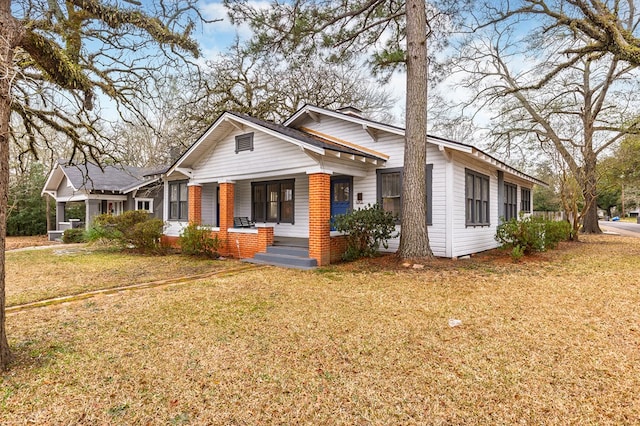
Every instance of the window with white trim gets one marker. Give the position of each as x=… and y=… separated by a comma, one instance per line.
x=178, y=201
x=144, y=204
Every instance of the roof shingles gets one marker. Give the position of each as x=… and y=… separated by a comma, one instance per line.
x=91, y=177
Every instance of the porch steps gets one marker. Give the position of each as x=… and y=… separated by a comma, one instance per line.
x=286, y=257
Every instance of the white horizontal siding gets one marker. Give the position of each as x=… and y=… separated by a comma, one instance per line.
x=174, y=228
x=389, y=144
x=270, y=156
x=437, y=231
x=467, y=240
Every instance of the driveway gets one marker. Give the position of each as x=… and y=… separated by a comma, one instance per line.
x=623, y=228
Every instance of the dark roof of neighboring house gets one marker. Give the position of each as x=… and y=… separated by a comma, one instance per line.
x=306, y=137
x=116, y=178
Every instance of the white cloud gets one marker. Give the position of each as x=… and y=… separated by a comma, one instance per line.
x=217, y=36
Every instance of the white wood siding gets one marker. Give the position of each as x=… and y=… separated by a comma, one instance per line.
x=270, y=157
x=467, y=240
x=393, y=146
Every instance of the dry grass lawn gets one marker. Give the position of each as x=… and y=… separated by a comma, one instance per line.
x=60, y=271
x=554, y=340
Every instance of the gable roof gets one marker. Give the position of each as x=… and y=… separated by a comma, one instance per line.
x=314, y=143
x=90, y=177
x=315, y=140
x=367, y=124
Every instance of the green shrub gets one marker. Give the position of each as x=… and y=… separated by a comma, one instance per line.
x=196, y=240
x=27, y=214
x=132, y=229
x=366, y=229
x=531, y=234
x=70, y=236
x=517, y=253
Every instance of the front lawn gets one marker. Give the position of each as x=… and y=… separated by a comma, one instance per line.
x=61, y=271
x=552, y=340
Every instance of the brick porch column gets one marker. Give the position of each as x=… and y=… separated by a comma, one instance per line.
x=319, y=215
x=226, y=214
x=195, y=203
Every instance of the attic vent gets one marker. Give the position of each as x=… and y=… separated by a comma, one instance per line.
x=244, y=142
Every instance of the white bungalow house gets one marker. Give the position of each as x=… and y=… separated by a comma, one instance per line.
x=289, y=179
x=110, y=189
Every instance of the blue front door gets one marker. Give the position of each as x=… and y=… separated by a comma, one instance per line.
x=341, y=196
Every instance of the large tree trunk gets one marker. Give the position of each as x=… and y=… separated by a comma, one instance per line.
x=414, y=239
x=590, y=223
x=10, y=34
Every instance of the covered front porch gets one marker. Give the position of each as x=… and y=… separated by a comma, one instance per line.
x=289, y=218
x=78, y=212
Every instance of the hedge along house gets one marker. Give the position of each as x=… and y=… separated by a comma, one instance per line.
x=110, y=189
x=290, y=179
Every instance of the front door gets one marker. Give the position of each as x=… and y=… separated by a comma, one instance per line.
x=341, y=195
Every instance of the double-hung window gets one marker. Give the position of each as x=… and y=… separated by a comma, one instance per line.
x=510, y=201
x=178, y=201
x=525, y=200
x=273, y=201
x=144, y=204
x=390, y=191
x=477, y=198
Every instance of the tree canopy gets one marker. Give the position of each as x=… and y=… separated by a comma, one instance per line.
x=548, y=89
x=71, y=57
x=609, y=26
x=59, y=58
x=395, y=33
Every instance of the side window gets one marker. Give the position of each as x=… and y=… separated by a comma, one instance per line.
x=144, y=204
x=178, y=201
x=525, y=200
x=477, y=199
x=510, y=201
x=390, y=192
x=389, y=187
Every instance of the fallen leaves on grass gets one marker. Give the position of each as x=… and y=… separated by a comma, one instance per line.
x=43, y=274
x=549, y=342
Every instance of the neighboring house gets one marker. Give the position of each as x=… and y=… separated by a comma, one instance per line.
x=290, y=179
x=110, y=189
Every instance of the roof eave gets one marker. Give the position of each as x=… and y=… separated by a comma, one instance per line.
x=227, y=116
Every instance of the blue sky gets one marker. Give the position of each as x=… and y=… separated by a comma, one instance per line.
x=216, y=37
